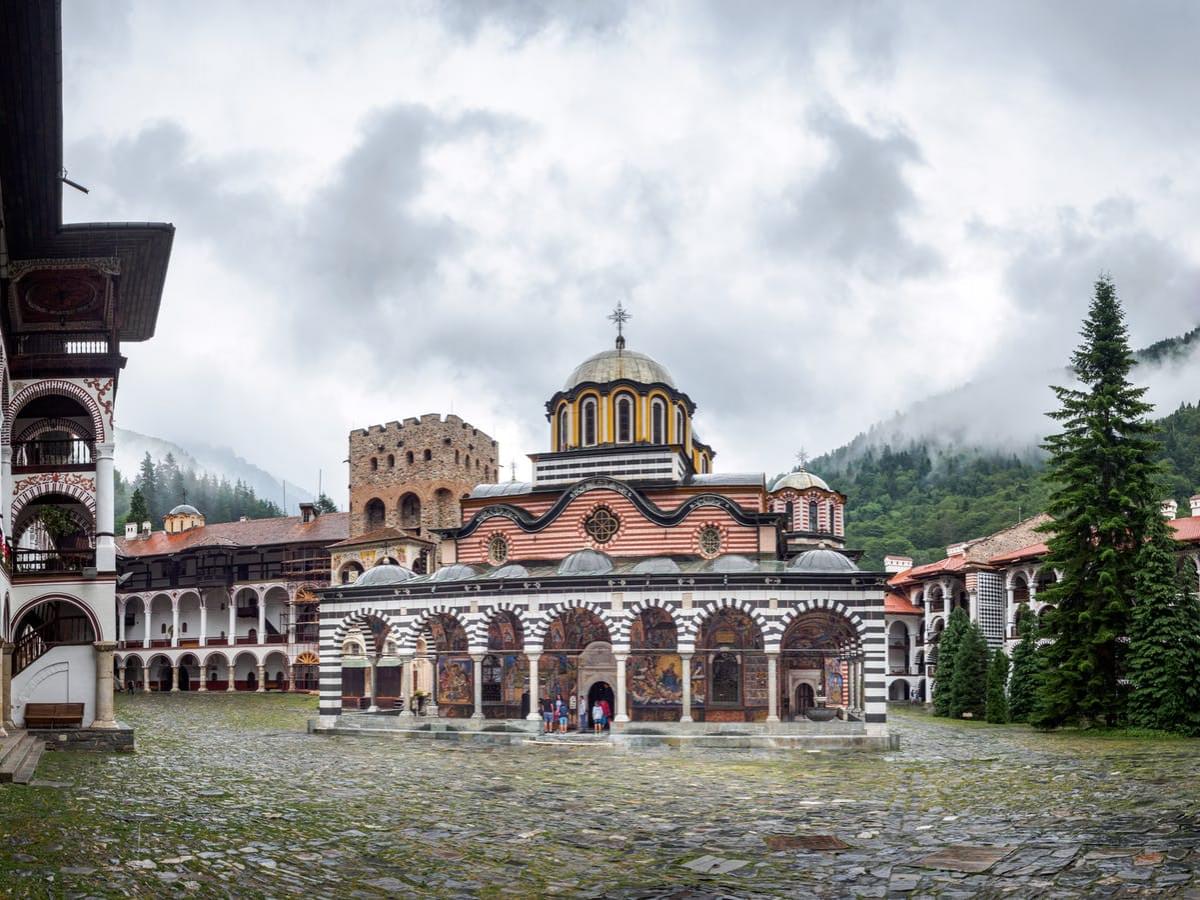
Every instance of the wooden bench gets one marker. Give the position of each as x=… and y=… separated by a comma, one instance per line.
x=53, y=715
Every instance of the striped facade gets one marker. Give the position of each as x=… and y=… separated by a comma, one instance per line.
x=773, y=602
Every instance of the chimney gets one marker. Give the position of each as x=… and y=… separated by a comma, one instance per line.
x=1169, y=508
x=308, y=512
x=1194, y=500
x=146, y=529
x=131, y=531
x=957, y=549
x=241, y=518
x=893, y=564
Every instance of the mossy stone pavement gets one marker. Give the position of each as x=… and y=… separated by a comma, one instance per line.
x=228, y=796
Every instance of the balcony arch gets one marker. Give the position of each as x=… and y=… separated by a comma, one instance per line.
x=53, y=387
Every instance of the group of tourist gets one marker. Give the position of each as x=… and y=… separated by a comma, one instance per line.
x=560, y=715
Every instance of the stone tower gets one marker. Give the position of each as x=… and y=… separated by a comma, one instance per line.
x=414, y=474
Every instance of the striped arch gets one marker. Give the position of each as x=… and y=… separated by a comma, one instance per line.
x=360, y=618
x=477, y=632
x=47, y=388
x=780, y=626
x=54, y=486
x=690, y=632
x=419, y=627
x=632, y=613
x=41, y=426
x=538, y=628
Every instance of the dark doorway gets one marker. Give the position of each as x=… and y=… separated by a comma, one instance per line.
x=252, y=682
x=805, y=699
x=185, y=683
x=601, y=690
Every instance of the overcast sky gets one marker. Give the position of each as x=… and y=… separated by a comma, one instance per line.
x=816, y=213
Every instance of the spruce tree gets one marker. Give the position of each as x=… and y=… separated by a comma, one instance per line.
x=147, y=482
x=139, y=512
x=1026, y=672
x=997, y=688
x=947, y=652
x=1164, y=640
x=1104, y=482
x=968, y=681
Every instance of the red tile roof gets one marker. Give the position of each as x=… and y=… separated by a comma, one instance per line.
x=1187, y=529
x=1030, y=552
x=948, y=564
x=325, y=529
x=380, y=536
x=895, y=605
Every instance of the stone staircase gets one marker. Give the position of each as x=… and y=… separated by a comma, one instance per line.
x=19, y=756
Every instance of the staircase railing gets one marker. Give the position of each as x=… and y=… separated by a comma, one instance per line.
x=34, y=644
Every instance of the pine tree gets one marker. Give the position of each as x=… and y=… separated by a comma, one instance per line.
x=997, y=688
x=139, y=512
x=1164, y=641
x=1104, y=482
x=947, y=652
x=1026, y=672
x=968, y=681
x=147, y=483
x=326, y=505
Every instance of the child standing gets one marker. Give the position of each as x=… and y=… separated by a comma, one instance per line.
x=597, y=718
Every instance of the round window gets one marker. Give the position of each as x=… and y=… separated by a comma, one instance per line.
x=710, y=540
x=602, y=524
x=498, y=549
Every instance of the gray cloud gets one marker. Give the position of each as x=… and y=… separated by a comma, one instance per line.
x=526, y=18
x=854, y=209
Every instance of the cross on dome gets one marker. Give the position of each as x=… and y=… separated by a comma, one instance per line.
x=620, y=316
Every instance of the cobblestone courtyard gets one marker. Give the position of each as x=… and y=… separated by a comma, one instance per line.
x=228, y=796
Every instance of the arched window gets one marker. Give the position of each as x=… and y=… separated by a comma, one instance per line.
x=790, y=509
x=832, y=510
x=624, y=419
x=428, y=455
x=704, y=465
x=374, y=464
x=391, y=461
x=813, y=516
x=456, y=457
x=679, y=425
x=658, y=422
x=564, y=427
x=589, y=422
x=409, y=457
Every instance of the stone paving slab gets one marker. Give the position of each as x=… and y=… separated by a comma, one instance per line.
x=229, y=797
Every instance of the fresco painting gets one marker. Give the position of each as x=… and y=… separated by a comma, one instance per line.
x=574, y=630
x=454, y=680
x=556, y=675
x=653, y=629
x=656, y=679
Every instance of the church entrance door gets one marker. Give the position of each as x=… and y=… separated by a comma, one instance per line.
x=601, y=690
x=805, y=699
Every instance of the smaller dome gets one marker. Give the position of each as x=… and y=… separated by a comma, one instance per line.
x=585, y=562
x=384, y=574
x=512, y=570
x=184, y=509
x=453, y=572
x=732, y=562
x=616, y=365
x=656, y=565
x=800, y=481
x=821, y=560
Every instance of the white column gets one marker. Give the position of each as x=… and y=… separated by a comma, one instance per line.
x=175, y=678
x=912, y=649
x=1010, y=609
x=772, y=687
x=203, y=688
x=174, y=620
x=477, y=684
x=533, y=715
x=121, y=621
x=620, y=714
x=291, y=628
x=230, y=686
x=973, y=605
x=406, y=686
x=262, y=618
x=147, y=605
x=232, y=617
x=369, y=683
x=203, y=621
x=6, y=488
x=106, y=548
x=145, y=678
x=262, y=678
x=686, y=713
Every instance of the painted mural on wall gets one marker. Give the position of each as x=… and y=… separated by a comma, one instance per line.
x=454, y=680
x=574, y=630
x=755, y=680
x=731, y=629
x=699, y=681
x=557, y=674
x=514, y=678
x=448, y=634
x=504, y=633
x=655, y=679
x=653, y=630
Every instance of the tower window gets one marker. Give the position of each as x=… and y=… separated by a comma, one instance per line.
x=564, y=428
x=813, y=516
x=428, y=455
x=409, y=457
x=832, y=509
x=679, y=424
x=658, y=422
x=391, y=461
x=374, y=464
x=589, y=422
x=624, y=419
